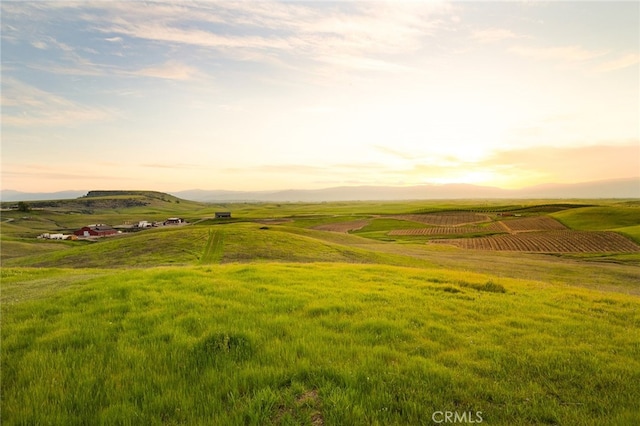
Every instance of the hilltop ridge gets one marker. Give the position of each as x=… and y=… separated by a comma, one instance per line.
x=119, y=193
x=107, y=200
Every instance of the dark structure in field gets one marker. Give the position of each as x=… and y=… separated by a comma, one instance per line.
x=223, y=215
x=98, y=230
x=174, y=221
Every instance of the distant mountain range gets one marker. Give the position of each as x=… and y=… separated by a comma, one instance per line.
x=617, y=188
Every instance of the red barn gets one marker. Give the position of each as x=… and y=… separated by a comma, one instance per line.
x=99, y=230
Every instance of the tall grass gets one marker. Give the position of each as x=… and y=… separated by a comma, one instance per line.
x=297, y=344
x=281, y=324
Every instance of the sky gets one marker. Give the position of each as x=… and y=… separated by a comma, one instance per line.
x=271, y=95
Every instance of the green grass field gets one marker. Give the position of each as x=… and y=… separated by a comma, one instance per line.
x=599, y=218
x=243, y=322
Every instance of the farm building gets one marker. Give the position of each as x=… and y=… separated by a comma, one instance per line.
x=98, y=230
x=223, y=215
x=48, y=236
x=174, y=221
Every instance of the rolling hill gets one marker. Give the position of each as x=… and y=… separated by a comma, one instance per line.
x=109, y=201
x=315, y=314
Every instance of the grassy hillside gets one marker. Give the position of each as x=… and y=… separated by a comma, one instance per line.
x=237, y=242
x=599, y=218
x=271, y=318
x=624, y=219
x=311, y=344
x=632, y=232
x=251, y=242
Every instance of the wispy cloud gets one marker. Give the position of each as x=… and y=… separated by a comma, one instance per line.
x=367, y=173
x=622, y=62
x=353, y=35
x=176, y=166
x=25, y=105
x=38, y=44
x=314, y=41
x=42, y=173
x=395, y=152
x=364, y=63
x=570, y=164
x=170, y=71
x=197, y=37
x=72, y=69
x=492, y=35
x=558, y=53
x=423, y=158
x=281, y=168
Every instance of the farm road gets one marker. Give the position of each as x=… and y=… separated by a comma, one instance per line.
x=213, y=248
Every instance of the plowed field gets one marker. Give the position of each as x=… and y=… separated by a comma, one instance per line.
x=550, y=242
x=343, y=226
x=445, y=219
x=536, y=223
x=450, y=230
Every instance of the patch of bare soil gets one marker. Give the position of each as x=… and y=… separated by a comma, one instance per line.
x=343, y=226
x=307, y=405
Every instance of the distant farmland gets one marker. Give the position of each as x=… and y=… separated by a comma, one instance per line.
x=445, y=218
x=551, y=242
x=451, y=230
x=536, y=223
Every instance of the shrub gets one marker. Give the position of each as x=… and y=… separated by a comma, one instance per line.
x=23, y=207
x=489, y=286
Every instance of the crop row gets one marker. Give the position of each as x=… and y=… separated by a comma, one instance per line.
x=445, y=219
x=536, y=223
x=449, y=230
x=550, y=242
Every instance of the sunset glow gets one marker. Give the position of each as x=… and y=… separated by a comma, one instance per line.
x=263, y=95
